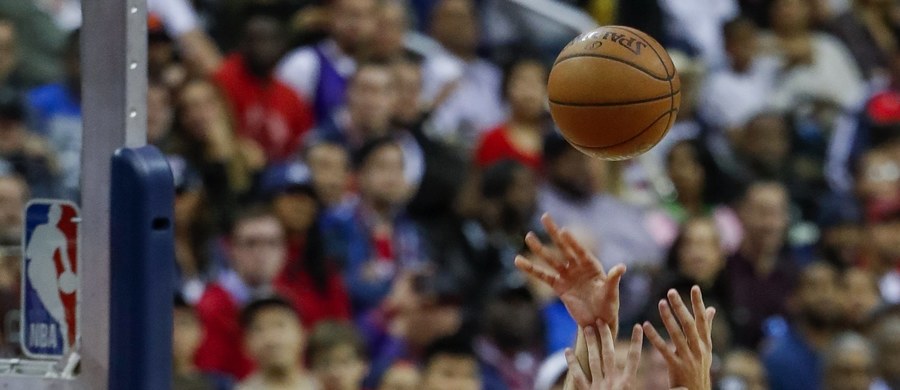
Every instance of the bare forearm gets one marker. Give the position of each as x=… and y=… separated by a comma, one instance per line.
x=200, y=52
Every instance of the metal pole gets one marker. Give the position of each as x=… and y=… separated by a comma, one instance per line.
x=114, y=85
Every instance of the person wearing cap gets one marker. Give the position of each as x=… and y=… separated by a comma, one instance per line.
x=27, y=153
x=311, y=271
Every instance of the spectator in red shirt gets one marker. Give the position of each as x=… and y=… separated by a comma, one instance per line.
x=309, y=273
x=521, y=137
x=256, y=248
x=267, y=111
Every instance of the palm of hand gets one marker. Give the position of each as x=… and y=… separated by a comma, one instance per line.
x=588, y=296
x=576, y=276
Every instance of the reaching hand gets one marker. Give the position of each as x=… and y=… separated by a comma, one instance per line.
x=690, y=356
x=576, y=276
x=603, y=369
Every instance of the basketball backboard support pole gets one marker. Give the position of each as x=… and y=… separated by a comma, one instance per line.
x=114, y=93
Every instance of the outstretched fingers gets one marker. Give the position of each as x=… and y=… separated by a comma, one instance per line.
x=581, y=380
x=552, y=258
x=672, y=327
x=608, y=349
x=634, y=351
x=595, y=362
x=581, y=255
x=688, y=324
x=658, y=342
x=541, y=273
x=704, y=326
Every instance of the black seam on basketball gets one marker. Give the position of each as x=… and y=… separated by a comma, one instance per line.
x=611, y=58
x=627, y=140
x=648, y=45
x=613, y=104
x=663, y=63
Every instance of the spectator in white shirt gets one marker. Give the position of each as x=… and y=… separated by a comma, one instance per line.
x=474, y=105
x=815, y=68
x=733, y=94
x=320, y=73
x=699, y=24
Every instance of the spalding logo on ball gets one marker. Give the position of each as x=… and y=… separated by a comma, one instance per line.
x=614, y=92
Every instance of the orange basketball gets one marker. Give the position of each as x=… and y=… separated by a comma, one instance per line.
x=614, y=92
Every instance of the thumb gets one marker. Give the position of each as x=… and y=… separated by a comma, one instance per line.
x=615, y=275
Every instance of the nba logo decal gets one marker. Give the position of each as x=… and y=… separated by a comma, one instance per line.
x=50, y=281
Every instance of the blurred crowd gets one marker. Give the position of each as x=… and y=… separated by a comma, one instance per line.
x=354, y=179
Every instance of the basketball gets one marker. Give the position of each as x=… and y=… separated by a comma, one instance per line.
x=614, y=92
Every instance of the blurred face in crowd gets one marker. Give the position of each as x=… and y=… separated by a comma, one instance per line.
x=159, y=113
x=765, y=142
x=401, y=376
x=764, y=215
x=371, y=98
x=13, y=195
x=392, y=25
x=12, y=135
x=790, y=16
x=814, y=300
x=353, y=24
x=340, y=368
x=455, y=26
x=330, y=168
x=861, y=294
x=849, y=365
x=160, y=54
x=513, y=323
x=8, y=53
x=296, y=209
x=431, y=321
x=842, y=242
x=526, y=90
x=521, y=196
x=685, y=171
x=878, y=175
x=72, y=63
x=258, y=249
x=882, y=236
x=886, y=338
x=186, y=335
x=200, y=107
x=700, y=255
x=452, y=372
x=275, y=339
x=741, y=44
x=570, y=173
x=263, y=44
x=408, y=77
x=745, y=367
x=188, y=204
x=381, y=176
